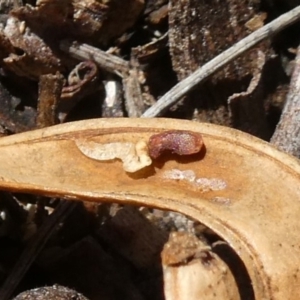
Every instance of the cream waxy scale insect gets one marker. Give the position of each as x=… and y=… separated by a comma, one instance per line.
x=134, y=156
x=138, y=156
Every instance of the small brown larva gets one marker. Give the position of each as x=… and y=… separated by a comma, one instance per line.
x=181, y=142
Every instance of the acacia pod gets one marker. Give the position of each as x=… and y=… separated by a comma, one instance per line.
x=242, y=188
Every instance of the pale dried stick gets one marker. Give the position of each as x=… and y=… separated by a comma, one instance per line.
x=287, y=133
x=106, y=61
x=133, y=95
x=183, y=87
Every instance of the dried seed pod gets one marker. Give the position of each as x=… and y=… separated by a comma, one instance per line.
x=181, y=142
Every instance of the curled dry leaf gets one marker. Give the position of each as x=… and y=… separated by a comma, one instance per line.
x=252, y=209
x=83, y=81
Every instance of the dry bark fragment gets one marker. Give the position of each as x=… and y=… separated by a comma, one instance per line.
x=196, y=37
x=34, y=57
x=121, y=16
x=87, y=20
x=50, y=87
x=214, y=65
x=146, y=53
x=159, y=15
x=34, y=31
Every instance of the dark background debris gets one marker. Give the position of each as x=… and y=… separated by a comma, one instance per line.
x=113, y=252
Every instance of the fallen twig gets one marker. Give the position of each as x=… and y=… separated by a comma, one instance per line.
x=106, y=61
x=183, y=87
x=287, y=133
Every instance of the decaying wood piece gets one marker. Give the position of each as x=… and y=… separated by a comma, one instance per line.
x=29, y=38
x=83, y=19
x=192, y=271
x=50, y=87
x=29, y=61
x=196, y=37
x=287, y=134
x=232, y=187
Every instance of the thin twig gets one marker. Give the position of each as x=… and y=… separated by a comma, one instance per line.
x=287, y=133
x=106, y=61
x=134, y=102
x=183, y=87
x=133, y=95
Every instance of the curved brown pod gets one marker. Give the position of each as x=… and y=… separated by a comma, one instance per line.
x=243, y=188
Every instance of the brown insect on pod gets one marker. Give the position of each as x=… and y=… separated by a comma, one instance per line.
x=181, y=142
